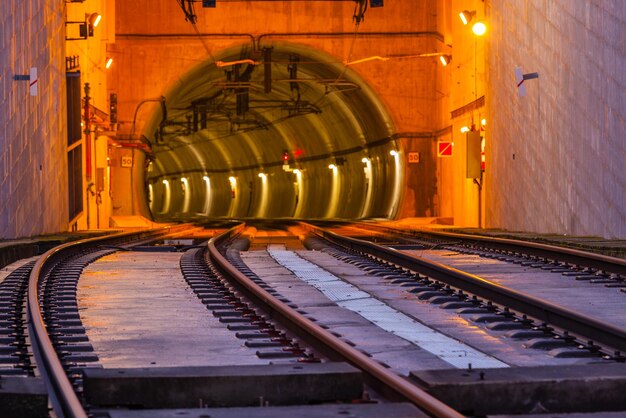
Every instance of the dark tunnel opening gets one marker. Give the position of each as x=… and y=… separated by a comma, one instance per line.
x=279, y=132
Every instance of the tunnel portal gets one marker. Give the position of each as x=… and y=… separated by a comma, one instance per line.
x=277, y=131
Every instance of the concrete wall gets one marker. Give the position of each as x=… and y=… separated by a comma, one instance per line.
x=152, y=57
x=458, y=195
x=93, y=55
x=33, y=161
x=557, y=157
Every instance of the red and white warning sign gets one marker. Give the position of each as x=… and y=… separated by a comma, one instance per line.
x=444, y=149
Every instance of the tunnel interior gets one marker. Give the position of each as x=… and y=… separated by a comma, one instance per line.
x=280, y=131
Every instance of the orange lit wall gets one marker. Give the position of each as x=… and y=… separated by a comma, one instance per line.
x=152, y=54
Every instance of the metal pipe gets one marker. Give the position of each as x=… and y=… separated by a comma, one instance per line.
x=87, y=117
x=256, y=39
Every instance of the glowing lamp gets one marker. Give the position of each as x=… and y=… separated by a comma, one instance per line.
x=94, y=19
x=479, y=28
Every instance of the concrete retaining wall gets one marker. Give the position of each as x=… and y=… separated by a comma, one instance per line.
x=33, y=173
x=556, y=158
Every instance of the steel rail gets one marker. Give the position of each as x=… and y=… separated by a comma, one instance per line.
x=323, y=339
x=564, y=254
x=566, y=319
x=62, y=395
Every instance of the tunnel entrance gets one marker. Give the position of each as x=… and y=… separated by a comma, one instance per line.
x=277, y=131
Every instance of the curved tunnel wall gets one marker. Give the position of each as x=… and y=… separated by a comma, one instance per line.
x=273, y=160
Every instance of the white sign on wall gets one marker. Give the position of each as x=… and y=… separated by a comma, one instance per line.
x=34, y=81
x=414, y=157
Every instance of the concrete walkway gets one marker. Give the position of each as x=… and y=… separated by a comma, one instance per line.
x=139, y=312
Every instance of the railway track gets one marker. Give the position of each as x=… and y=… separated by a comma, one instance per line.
x=510, y=306
x=68, y=363
x=347, y=342
x=520, y=321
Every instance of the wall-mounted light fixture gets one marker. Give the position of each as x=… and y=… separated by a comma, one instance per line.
x=108, y=63
x=445, y=59
x=186, y=193
x=367, y=173
x=332, y=166
x=465, y=129
x=397, y=183
x=207, y=195
x=467, y=16
x=479, y=28
x=92, y=21
x=166, y=196
x=233, y=186
x=262, y=202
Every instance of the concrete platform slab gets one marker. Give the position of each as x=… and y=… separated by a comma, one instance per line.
x=519, y=390
x=138, y=311
x=395, y=410
x=620, y=414
x=24, y=397
x=223, y=386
